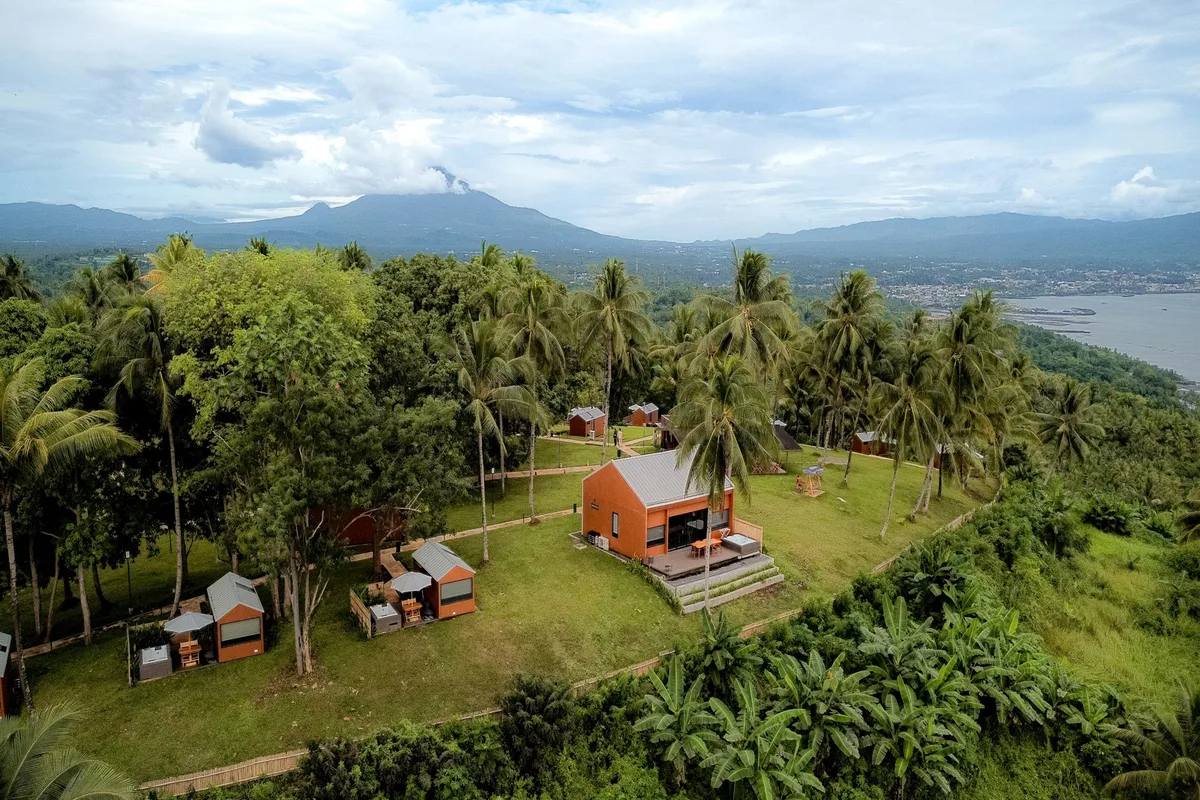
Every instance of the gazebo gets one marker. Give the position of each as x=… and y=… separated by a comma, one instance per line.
x=809, y=481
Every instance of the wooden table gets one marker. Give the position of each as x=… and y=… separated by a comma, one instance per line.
x=698, y=547
x=189, y=654
x=411, y=609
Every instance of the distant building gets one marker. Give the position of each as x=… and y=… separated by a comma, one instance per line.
x=786, y=441
x=871, y=443
x=587, y=422
x=643, y=415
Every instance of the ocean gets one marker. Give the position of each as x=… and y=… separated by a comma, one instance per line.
x=1163, y=329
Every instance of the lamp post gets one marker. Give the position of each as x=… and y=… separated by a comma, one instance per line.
x=128, y=584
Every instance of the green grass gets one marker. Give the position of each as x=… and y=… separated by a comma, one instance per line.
x=544, y=608
x=1104, y=619
x=551, y=493
x=565, y=453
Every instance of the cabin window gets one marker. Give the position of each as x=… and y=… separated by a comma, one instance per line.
x=455, y=591
x=616, y=525
x=718, y=519
x=656, y=535
x=240, y=632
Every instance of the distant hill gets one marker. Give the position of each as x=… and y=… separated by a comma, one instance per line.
x=388, y=225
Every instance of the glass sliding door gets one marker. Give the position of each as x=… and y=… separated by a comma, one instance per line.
x=684, y=529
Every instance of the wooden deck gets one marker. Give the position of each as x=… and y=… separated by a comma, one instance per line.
x=682, y=562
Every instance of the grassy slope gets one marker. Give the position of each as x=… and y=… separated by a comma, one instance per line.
x=545, y=608
x=1093, y=621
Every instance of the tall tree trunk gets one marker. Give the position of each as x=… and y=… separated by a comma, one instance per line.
x=83, y=607
x=850, y=451
x=503, y=478
x=291, y=581
x=179, y=555
x=50, y=607
x=10, y=543
x=233, y=561
x=306, y=629
x=887, y=517
x=36, y=586
x=707, y=566
x=276, y=613
x=941, y=470
x=483, y=495
x=607, y=403
x=100, y=596
x=67, y=591
x=532, y=465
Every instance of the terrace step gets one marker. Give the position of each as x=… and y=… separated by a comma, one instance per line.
x=722, y=586
x=729, y=572
x=735, y=594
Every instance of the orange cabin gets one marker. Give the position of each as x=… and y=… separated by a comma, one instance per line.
x=643, y=415
x=588, y=422
x=237, y=618
x=870, y=443
x=645, y=506
x=453, y=589
x=8, y=698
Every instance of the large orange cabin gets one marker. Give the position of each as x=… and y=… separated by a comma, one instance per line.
x=644, y=506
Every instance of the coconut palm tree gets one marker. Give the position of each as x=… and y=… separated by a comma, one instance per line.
x=490, y=255
x=844, y=335
x=259, y=245
x=1070, y=425
x=124, y=273
x=1189, y=518
x=177, y=250
x=35, y=761
x=534, y=318
x=15, y=283
x=907, y=409
x=1171, y=745
x=353, y=258
x=612, y=313
x=489, y=379
x=135, y=345
x=90, y=286
x=754, y=323
x=724, y=427
x=37, y=429
x=679, y=719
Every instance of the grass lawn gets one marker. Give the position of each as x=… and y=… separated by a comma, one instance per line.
x=1095, y=621
x=566, y=452
x=551, y=493
x=544, y=608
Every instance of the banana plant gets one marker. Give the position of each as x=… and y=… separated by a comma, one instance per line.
x=834, y=703
x=679, y=720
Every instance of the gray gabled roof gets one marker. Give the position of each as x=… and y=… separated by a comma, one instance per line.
x=871, y=436
x=437, y=560
x=588, y=413
x=5, y=652
x=786, y=440
x=231, y=591
x=657, y=480
x=647, y=408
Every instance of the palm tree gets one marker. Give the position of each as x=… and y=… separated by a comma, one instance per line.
x=124, y=273
x=354, y=259
x=92, y=289
x=1070, y=425
x=1171, y=745
x=724, y=427
x=490, y=255
x=488, y=377
x=15, y=283
x=259, y=245
x=177, y=250
x=35, y=761
x=906, y=407
x=535, y=317
x=134, y=343
x=755, y=321
x=38, y=429
x=678, y=719
x=612, y=312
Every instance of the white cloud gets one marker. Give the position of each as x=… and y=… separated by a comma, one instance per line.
x=385, y=83
x=229, y=140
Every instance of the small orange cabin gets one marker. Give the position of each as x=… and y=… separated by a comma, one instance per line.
x=587, y=422
x=8, y=698
x=871, y=443
x=238, y=618
x=453, y=589
x=645, y=506
x=643, y=415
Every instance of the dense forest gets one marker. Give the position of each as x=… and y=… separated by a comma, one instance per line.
x=252, y=398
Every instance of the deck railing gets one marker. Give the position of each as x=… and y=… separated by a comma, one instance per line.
x=748, y=529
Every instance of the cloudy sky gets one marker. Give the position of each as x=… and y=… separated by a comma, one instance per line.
x=691, y=120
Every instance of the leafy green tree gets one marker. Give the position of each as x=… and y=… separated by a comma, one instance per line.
x=21, y=324
x=678, y=720
x=37, y=429
x=613, y=314
x=15, y=282
x=1170, y=745
x=724, y=428
x=1070, y=426
x=907, y=409
x=37, y=762
x=752, y=324
x=134, y=344
x=761, y=752
x=488, y=378
x=535, y=718
x=354, y=258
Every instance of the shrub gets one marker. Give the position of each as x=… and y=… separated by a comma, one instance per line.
x=1184, y=559
x=535, y=720
x=1111, y=514
x=1160, y=523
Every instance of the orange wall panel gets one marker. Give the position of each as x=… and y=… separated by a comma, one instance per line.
x=245, y=649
